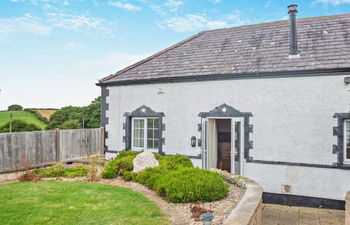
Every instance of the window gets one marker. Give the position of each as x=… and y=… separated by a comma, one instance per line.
x=145, y=133
x=347, y=141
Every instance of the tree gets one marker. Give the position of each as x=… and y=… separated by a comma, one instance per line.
x=18, y=126
x=89, y=115
x=70, y=124
x=64, y=114
x=15, y=107
x=92, y=114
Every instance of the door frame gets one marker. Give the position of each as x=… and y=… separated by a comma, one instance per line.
x=205, y=158
x=233, y=143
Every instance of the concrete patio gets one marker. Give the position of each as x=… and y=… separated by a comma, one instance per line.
x=290, y=215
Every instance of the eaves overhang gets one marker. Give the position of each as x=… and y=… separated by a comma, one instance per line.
x=235, y=76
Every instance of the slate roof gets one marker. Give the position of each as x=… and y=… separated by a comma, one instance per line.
x=324, y=43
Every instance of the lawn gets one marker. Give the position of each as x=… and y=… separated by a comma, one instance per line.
x=25, y=116
x=57, y=202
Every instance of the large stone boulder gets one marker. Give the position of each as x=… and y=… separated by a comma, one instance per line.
x=144, y=160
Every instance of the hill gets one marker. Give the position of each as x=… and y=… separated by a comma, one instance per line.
x=20, y=115
x=46, y=112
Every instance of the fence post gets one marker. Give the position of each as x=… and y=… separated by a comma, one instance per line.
x=102, y=140
x=58, y=147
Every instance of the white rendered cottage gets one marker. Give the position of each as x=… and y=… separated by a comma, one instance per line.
x=268, y=101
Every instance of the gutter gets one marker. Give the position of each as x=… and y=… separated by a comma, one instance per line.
x=237, y=76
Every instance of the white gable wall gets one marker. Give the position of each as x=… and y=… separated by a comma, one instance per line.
x=292, y=119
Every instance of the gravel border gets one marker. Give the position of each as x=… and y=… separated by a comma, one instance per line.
x=220, y=209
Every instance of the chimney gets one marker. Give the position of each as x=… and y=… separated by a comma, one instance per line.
x=292, y=11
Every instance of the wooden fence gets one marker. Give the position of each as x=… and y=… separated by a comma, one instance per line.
x=45, y=147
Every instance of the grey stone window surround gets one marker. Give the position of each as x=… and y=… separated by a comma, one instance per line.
x=103, y=117
x=143, y=111
x=225, y=110
x=339, y=133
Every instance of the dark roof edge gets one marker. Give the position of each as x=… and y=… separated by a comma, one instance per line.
x=238, y=76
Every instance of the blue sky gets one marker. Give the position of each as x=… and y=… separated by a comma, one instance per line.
x=52, y=52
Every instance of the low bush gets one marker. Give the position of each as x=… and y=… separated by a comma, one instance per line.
x=175, y=178
x=118, y=166
x=128, y=175
x=172, y=162
x=191, y=185
x=184, y=184
x=28, y=176
x=230, y=178
x=61, y=171
x=149, y=176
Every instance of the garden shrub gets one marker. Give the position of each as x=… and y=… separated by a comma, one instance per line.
x=118, y=166
x=173, y=161
x=28, y=176
x=61, y=171
x=230, y=178
x=184, y=184
x=128, y=175
x=149, y=176
x=77, y=171
x=191, y=185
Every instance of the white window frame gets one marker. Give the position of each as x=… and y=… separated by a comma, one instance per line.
x=346, y=160
x=145, y=134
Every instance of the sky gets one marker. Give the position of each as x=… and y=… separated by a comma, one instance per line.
x=53, y=52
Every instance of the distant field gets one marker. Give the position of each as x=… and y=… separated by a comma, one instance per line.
x=25, y=116
x=46, y=112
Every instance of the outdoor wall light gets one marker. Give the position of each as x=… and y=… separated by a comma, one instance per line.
x=193, y=141
x=347, y=83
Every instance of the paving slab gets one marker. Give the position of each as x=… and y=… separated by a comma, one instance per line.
x=292, y=215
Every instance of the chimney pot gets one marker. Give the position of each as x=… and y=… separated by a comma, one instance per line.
x=292, y=11
x=292, y=8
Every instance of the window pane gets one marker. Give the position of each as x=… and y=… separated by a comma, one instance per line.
x=139, y=131
x=150, y=123
x=156, y=143
x=152, y=133
x=156, y=123
x=150, y=144
x=156, y=133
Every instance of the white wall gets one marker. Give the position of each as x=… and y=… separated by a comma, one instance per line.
x=292, y=118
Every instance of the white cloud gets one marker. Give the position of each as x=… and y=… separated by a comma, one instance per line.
x=173, y=5
x=164, y=8
x=216, y=1
x=72, y=45
x=126, y=6
x=191, y=22
x=120, y=60
x=194, y=22
x=332, y=2
x=236, y=19
x=23, y=24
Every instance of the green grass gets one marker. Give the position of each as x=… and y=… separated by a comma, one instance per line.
x=57, y=202
x=25, y=116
